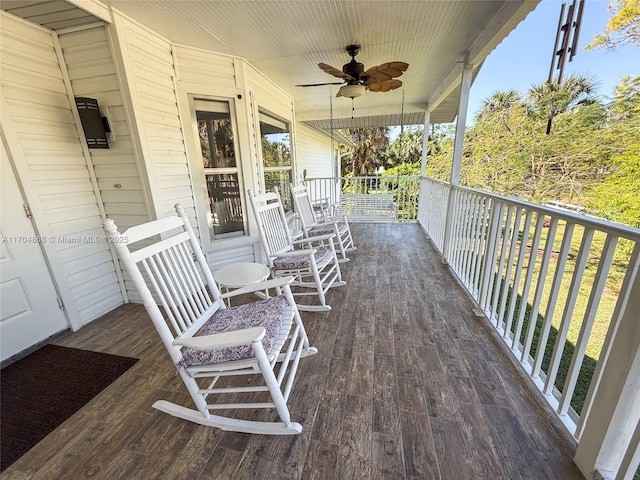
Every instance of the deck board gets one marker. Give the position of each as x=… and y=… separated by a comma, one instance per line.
x=408, y=384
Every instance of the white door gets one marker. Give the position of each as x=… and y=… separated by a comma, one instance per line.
x=29, y=310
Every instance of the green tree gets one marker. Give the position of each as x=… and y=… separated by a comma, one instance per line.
x=626, y=98
x=275, y=153
x=406, y=148
x=368, y=152
x=440, y=152
x=617, y=197
x=549, y=99
x=507, y=151
x=623, y=27
x=501, y=102
x=496, y=152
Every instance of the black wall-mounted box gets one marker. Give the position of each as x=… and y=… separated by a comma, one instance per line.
x=94, y=125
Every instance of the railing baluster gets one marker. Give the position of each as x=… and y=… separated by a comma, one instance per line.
x=572, y=296
x=624, y=296
x=471, y=221
x=477, y=211
x=544, y=268
x=482, y=233
x=458, y=228
x=533, y=256
x=522, y=254
x=499, y=274
x=553, y=298
x=515, y=233
x=491, y=254
x=597, y=288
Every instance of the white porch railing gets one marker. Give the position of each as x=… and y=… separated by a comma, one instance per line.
x=405, y=190
x=541, y=276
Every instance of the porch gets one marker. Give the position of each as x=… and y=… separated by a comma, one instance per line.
x=408, y=383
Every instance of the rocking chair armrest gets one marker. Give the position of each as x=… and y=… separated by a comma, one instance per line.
x=320, y=202
x=296, y=253
x=318, y=238
x=223, y=340
x=328, y=221
x=258, y=286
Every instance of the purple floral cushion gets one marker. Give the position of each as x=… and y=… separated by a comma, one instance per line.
x=269, y=314
x=300, y=261
x=326, y=228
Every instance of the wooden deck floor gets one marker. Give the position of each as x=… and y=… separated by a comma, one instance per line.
x=408, y=383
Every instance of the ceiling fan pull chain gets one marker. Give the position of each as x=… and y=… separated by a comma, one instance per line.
x=353, y=107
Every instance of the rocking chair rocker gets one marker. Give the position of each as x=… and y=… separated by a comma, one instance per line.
x=311, y=261
x=311, y=227
x=207, y=341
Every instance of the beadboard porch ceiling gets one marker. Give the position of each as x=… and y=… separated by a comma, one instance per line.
x=286, y=40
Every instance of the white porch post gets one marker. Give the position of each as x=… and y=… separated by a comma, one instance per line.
x=425, y=143
x=609, y=438
x=424, y=206
x=457, y=153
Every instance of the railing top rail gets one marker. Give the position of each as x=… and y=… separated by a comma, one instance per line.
x=613, y=228
x=370, y=177
x=596, y=223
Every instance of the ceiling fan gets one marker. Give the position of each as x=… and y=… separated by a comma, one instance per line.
x=381, y=78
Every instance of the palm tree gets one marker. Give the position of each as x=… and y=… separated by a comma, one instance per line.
x=368, y=146
x=549, y=99
x=500, y=101
x=499, y=104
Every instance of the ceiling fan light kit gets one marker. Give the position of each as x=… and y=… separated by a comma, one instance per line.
x=352, y=91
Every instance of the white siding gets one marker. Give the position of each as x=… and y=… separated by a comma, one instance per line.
x=313, y=152
x=48, y=144
x=220, y=258
x=206, y=68
x=92, y=73
x=268, y=95
x=150, y=72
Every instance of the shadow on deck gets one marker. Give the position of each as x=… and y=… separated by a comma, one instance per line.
x=408, y=383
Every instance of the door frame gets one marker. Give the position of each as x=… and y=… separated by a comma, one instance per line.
x=29, y=195
x=43, y=311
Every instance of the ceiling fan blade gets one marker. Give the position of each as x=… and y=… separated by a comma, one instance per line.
x=334, y=71
x=319, y=84
x=385, y=86
x=386, y=71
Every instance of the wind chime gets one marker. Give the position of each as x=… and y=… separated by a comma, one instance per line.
x=569, y=30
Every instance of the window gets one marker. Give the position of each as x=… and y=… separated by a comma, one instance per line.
x=276, y=157
x=225, y=215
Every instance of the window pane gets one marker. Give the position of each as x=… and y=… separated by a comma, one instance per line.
x=224, y=202
x=216, y=139
x=276, y=142
x=276, y=156
x=280, y=179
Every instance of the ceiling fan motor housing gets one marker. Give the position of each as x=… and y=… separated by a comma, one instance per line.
x=353, y=68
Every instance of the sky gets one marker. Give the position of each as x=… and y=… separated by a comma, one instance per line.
x=524, y=57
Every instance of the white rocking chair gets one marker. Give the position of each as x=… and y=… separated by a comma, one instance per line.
x=312, y=261
x=207, y=341
x=312, y=227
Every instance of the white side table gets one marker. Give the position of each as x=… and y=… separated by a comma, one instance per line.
x=237, y=275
